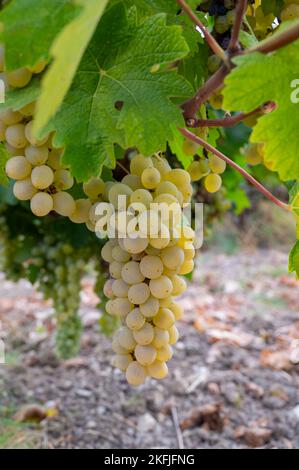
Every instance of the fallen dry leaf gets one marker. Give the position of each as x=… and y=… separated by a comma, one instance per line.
x=30, y=414
x=209, y=415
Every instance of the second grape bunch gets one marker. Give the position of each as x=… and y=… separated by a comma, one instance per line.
x=146, y=272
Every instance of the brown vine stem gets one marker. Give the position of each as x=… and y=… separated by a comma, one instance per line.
x=203, y=94
x=122, y=167
x=216, y=48
x=234, y=40
x=253, y=181
x=231, y=121
x=277, y=41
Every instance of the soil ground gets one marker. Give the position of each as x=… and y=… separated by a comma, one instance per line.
x=233, y=381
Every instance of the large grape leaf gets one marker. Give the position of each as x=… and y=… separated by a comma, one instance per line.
x=116, y=97
x=29, y=28
x=67, y=51
x=259, y=78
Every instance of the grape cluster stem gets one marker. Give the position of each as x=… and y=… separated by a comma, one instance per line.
x=189, y=135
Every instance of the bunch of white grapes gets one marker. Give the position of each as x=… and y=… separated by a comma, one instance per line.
x=146, y=270
x=34, y=164
x=209, y=169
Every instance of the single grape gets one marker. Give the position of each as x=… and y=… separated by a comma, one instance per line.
x=36, y=155
x=161, y=287
x=122, y=361
x=108, y=288
x=41, y=204
x=151, y=266
x=216, y=164
x=145, y=355
x=150, y=308
x=189, y=147
x=122, y=307
x=161, y=164
x=64, y=204
x=165, y=353
x=135, y=320
x=133, y=181
x=221, y=24
x=179, y=285
x=139, y=163
x=150, y=178
x=81, y=213
x=9, y=117
x=19, y=78
x=126, y=339
x=18, y=168
x=138, y=293
x=115, y=269
x=142, y=196
x=30, y=136
x=172, y=257
x=164, y=319
x=63, y=180
x=173, y=334
x=15, y=136
x=158, y=370
x=94, y=188
x=106, y=251
x=42, y=177
x=144, y=335
x=135, y=374
x=161, y=338
x=24, y=189
x=135, y=245
x=213, y=183
x=119, y=195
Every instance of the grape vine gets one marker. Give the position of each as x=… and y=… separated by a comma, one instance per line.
x=150, y=114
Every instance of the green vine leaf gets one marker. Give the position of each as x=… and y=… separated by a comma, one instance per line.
x=3, y=159
x=19, y=97
x=29, y=28
x=118, y=97
x=67, y=51
x=294, y=259
x=259, y=78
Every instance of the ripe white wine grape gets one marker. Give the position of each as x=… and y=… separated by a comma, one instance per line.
x=150, y=308
x=138, y=293
x=164, y=319
x=30, y=136
x=63, y=180
x=145, y=355
x=135, y=374
x=131, y=273
x=94, y=188
x=9, y=117
x=18, y=168
x=158, y=370
x=15, y=136
x=19, y=78
x=81, y=213
x=135, y=320
x=150, y=178
x=41, y=204
x=122, y=361
x=37, y=155
x=64, y=203
x=151, y=266
x=213, y=183
x=120, y=288
x=161, y=287
x=145, y=335
x=24, y=189
x=126, y=338
x=139, y=163
x=42, y=177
